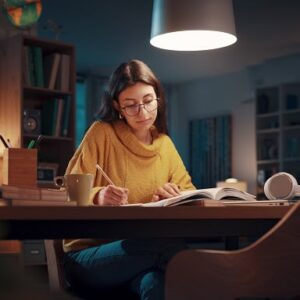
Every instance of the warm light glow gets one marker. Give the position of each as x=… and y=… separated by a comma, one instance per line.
x=193, y=40
x=231, y=180
x=233, y=183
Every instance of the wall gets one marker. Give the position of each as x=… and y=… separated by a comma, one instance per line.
x=233, y=93
x=204, y=98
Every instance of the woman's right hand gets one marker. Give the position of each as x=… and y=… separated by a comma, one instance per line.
x=113, y=196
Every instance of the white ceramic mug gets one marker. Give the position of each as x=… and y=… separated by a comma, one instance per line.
x=78, y=186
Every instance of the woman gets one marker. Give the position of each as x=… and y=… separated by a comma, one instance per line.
x=131, y=144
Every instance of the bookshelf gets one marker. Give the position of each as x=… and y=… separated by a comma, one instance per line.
x=277, y=132
x=37, y=96
x=37, y=76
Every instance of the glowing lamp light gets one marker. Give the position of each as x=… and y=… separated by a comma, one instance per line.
x=192, y=25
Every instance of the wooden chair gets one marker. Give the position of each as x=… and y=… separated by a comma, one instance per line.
x=54, y=254
x=270, y=267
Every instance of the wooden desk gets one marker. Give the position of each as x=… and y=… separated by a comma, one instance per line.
x=134, y=222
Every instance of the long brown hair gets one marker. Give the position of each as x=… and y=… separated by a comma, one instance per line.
x=126, y=75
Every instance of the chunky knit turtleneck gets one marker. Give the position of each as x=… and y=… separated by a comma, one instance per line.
x=128, y=162
x=131, y=142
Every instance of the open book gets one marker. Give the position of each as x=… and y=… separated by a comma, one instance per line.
x=218, y=193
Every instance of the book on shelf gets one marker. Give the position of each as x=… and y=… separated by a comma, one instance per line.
x=16, y=193
x=202, y=197
x=63, y=76
x=26, y=67
x=33, y=66
x=51, y=67
x=29, y=66
x=66, y=117
x=49, y=116
x=38, y=66
x=56, y=116
x=59, y=117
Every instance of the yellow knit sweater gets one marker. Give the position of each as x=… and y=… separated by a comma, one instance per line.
x=128, y=162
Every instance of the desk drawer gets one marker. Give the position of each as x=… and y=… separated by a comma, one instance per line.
x=34, y=252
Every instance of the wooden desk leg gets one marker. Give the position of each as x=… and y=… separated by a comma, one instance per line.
x=231, y=242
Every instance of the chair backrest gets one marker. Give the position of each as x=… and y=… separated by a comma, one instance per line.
x=267, y=268
x=54, y=253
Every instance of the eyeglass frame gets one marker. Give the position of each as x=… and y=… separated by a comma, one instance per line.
x=139, y=107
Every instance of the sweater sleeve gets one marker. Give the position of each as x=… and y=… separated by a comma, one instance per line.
x=88, y=155
x=178, y=173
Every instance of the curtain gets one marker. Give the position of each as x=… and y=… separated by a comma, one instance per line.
x=210, y=150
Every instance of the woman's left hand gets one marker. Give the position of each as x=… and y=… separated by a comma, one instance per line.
x=168, y=190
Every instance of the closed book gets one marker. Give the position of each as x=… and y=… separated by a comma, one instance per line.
x=38, y=66
x=15, y=192
x=66, y=117
x=51, y=66
x=49, y=116
x=31, y=67
x=33, y=194
x=26, y=67
x=54, y=194
x=55, y=110
x=63, y=76
x=29, y=202
x=59, y=117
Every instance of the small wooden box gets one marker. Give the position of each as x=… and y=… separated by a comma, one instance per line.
x=20, y=167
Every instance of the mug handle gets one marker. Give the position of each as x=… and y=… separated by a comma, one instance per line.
x=59, y=181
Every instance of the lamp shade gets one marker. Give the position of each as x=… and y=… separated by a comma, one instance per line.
x=192, y=25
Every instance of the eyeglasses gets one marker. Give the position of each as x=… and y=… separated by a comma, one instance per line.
x=133, y=110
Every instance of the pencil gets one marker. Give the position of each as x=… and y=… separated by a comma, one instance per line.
x=104, y=174
x=3, y=141
x=9, y=143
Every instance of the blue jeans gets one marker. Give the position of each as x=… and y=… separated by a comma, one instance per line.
x=138, y=264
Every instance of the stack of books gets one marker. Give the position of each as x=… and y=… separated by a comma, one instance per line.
x=20, y=196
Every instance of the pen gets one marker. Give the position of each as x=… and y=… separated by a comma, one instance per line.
x=3, y=141
x=104, y=174
x=31, y=144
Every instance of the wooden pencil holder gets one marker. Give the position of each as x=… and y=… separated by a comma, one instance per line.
x=20, y=167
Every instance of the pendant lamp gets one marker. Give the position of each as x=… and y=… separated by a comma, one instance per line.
x=192, y=25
